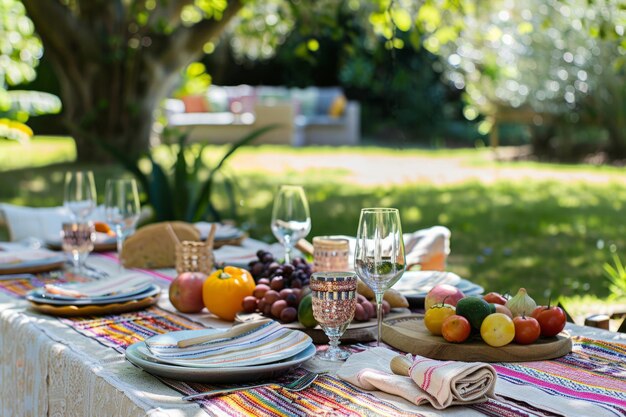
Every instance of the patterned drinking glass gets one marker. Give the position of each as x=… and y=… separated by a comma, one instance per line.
x=334, y=302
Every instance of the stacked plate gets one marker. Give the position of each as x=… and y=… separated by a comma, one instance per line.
x=245, y=352
x=414, y=285
x=15, y=258
x=125, y=292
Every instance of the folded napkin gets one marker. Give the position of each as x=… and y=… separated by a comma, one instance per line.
x=428, y=248
x=439, y=383
x=123, y=284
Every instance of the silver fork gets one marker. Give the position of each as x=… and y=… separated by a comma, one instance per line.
x=294, y=386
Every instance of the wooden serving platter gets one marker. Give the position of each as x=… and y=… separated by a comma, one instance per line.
x=408, y=334
x=357, y=332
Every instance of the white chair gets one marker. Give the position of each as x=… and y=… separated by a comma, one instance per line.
x=30, y=222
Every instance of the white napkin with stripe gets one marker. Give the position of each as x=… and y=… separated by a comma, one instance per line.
x=439, y=383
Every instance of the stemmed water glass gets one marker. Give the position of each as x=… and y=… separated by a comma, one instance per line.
x=77, y=240
x=121, y=201
x=334, y=301
x=291, y=220
x=379, y=255
x=79, y=198
x=80, y=194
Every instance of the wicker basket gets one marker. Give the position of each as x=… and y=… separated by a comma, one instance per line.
x=194, y=257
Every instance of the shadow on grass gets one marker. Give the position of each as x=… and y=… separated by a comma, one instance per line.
x=550, y=237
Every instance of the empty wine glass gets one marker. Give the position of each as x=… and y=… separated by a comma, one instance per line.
x=291, y=220
x=379, y=255
x=80, y=194
x=121, y=201
x=77, y=240
x=334, y=301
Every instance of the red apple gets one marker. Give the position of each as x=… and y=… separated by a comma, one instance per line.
x=442, y=292
x=186, y=292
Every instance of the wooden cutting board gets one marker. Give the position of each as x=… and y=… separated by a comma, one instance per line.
x=408, y=334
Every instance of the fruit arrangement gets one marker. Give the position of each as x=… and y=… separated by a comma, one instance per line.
x=221, y=292
x=498, y=320
x=282, y=293
x=278, y=291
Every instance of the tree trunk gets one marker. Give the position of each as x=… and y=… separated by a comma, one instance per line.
x=114, y=70
x=109, y=106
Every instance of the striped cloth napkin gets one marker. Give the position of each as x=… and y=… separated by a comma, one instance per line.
x=124, y=284
x=439, y=383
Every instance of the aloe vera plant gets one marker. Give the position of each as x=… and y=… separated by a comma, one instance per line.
x=616, y=274
x=175, y=191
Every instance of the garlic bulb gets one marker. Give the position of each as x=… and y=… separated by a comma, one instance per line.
x=521, y=303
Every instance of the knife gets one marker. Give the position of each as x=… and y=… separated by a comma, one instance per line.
x=232, y=332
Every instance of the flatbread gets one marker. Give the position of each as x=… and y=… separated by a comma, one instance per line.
x=154, y=246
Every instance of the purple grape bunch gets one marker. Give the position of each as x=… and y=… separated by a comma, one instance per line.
x=267, y=270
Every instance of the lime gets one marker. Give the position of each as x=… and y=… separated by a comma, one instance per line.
x=474, y=309
x=305, y=312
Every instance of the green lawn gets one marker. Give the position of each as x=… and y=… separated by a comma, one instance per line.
x=550, y=237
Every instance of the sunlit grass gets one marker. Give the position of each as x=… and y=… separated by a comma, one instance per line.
x=39, y=151
x=548, y=236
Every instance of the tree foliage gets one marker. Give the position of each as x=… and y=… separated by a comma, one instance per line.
x=20, y=51
x=564, y=59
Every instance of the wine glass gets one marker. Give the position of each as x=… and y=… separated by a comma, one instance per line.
x=291, y=220
x=77, y=240
x=80, y=194
x=379, y=255
x=121, y=201
x=334, y=301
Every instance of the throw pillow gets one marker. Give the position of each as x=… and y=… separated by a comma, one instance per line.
x=338, y=106
x=196, y=104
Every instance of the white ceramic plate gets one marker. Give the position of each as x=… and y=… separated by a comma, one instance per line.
x=267, y=343
x=103, y=242
x=216, y=375
x=39, y=296
x=222, y=231
x=32, y=265
x=109, y=288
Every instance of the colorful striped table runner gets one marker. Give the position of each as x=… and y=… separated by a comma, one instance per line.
x=595, y=371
